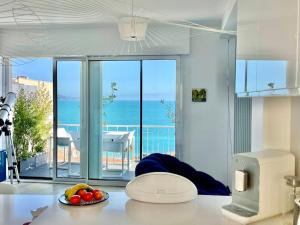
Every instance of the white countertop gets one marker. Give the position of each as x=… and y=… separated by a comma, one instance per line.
x=119, y=210
x=15, y=209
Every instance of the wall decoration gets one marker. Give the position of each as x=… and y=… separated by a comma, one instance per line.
x=199, y=94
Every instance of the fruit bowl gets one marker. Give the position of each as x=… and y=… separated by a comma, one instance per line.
x=62, y=199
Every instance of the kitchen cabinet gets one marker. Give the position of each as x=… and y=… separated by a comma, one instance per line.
x=267, y=47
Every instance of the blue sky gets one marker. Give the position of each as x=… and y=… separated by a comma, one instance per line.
x=159, y=77
x=38, y=69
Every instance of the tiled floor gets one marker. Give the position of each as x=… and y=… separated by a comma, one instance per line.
x=50, y=188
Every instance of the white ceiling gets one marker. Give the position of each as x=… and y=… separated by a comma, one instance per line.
x=194, y=10
x=21, y=12
x=90, y=27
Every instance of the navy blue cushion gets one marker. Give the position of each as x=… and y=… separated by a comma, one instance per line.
x=205, y=183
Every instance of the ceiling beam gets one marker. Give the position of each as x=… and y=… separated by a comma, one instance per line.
x=229, y=20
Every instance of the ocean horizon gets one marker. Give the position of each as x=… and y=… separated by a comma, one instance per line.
x=121, y=112
x=156, y=116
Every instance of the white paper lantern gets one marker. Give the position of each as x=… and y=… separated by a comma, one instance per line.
x=133, y=28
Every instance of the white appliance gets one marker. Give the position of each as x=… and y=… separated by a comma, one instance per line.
x=259, y=190
x=161, y=187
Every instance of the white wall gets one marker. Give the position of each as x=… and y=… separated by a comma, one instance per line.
x=271, y=123
x=257, y=125
x=295, y=131
x=277, y=123
x=205, y=129
x=279, y=127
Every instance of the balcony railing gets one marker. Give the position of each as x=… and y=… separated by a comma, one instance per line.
x=156, y=138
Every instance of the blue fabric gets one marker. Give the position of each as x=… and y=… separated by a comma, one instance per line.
x=205, y=184
x=2, y=166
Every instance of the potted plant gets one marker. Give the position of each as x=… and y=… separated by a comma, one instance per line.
x=31, y=126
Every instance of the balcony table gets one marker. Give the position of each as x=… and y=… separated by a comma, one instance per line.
x=119, y=210
x=118, y=142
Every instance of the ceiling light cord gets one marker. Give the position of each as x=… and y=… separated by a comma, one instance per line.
x=132, y=8
x=133, y=22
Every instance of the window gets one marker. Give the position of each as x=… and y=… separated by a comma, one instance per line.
x=108, y=114
x=33, y=119
x=137, y=113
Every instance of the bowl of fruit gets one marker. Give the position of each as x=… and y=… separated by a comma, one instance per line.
x=83, y=194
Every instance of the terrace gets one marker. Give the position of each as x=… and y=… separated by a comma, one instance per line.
x=156, y=139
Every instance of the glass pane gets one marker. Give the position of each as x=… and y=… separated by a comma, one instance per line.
x=33, y=116
x=240, y=78
x=68, y=118
x=272, y=74
x=159, y=106
x=251, y=75
x=116, y=86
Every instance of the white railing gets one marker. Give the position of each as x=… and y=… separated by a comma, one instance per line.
x=156, y=138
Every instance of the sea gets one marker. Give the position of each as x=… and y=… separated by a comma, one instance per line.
x=124, y=115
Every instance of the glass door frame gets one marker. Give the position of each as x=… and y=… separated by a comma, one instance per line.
x=84, y=106
x=178, y=114
x=85, y=85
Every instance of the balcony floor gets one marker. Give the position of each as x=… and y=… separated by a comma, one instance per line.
x=45, y=171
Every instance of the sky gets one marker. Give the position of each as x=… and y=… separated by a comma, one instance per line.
x=159, y=77
x=37, y=69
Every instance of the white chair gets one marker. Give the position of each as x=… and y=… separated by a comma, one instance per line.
x=7, y=188
x=64, y=142
x=75, y=141
x=118, y=142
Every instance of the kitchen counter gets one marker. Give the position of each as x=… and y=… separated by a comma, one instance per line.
x=15, y=209
x=119, y=210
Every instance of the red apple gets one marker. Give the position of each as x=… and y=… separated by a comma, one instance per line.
x=88, y=197
x=98, y=195
x=75, y=199
x=82, y=193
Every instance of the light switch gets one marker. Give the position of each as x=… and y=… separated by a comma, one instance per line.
x=241, y=180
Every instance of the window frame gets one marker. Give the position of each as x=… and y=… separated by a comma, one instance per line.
x=85, y=60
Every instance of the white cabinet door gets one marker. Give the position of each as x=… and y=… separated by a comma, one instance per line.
x=278, y=44
x=267, y=39
x=277, y=29
x=247, y=29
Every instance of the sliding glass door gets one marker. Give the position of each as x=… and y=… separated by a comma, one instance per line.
x=69, y=120
x=159, y=106
x=112, y=113
x=127, y=97
x=115, y=118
